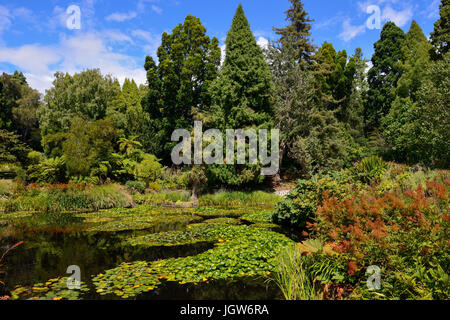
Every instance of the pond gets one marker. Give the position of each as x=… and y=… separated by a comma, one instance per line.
x=188, y=254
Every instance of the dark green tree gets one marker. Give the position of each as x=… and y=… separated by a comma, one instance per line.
x=10, y=93
x=440, y=37
x=310, y=136
x=12, y=150
x=354, y=112
x=88, y=145
x=335, y=76
x=178, y=85
x=298, y=31
x=18, y=108
x=416, y=61
x=242, y=98
x=243, y=90
x=419, y=132
x=384, y=75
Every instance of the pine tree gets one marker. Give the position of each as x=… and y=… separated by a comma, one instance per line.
x=297, y=33
x=243, y=89
x=242, y=97
x=384, y=74
x=440, y=37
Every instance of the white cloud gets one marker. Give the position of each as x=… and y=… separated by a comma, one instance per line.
x=5, y=18
x=432, y=11
x=151, y=41
x=263, y=42
x=71, y=54
x=116, y=36
x=349, y=31
x=121, y=17
x=400, y=18
x=157, y=9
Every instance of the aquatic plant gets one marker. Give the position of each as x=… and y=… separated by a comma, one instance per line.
x=240, y=251
x=53, y=289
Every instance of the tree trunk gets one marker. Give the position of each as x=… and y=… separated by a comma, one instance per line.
x=194, y=197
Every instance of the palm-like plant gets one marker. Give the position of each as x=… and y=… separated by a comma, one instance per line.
x=128, y=145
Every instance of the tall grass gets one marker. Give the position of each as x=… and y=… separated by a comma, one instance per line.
x=68, y=198
x=163, y=197
x=229, y=199
x=294, y=275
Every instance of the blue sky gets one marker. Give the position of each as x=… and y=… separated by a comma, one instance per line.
x=115, y=36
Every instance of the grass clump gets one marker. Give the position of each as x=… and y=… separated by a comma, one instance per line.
x=163, y=197
x=231, y=199
x=67, y=197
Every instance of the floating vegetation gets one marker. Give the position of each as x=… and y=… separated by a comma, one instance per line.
x=241, y=251
x=53, y=289
x=223, y=212
x=258, y=216
x=229, y=221
x=139, y=218
x=128, y=280
x=265, y=226
x=232, y=251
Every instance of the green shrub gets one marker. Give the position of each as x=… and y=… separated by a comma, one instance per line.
x=51, y=170
x=300, y=205
x=6, y=188
x=370, y=169
x=135, y=187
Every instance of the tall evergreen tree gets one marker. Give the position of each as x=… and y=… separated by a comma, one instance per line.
x=440, y=37
x=242, y=97
x=243, y=89
x=297, y=32
x=335, y=78
x=384, y=74
x=397, y=124
x=178, y=85
x=354, y=115
x=416, y=61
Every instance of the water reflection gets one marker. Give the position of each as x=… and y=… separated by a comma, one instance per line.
x=51, y=244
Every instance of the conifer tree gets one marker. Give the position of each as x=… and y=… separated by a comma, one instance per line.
x=178, y=85
x=384, y=74
x=242, y=97
x=243, y=89
x=440, y=37
x=297, y=32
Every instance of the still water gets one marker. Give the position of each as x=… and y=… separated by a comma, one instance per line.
x=49, y=249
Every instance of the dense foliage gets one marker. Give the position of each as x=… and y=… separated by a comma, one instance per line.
x=397, y=220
